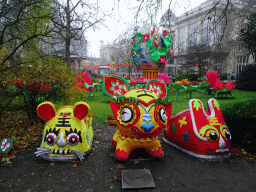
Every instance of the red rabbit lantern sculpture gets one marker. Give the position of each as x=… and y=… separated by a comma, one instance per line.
x=200, y=134
x=141, y=115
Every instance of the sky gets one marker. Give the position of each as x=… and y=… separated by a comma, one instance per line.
x=121, y=17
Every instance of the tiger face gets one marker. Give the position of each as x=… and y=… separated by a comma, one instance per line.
x=67, y=134
x=143, y=115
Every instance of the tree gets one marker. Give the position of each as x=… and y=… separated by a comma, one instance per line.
x=70, y=21
x=198, y=55
x=248, y=34
x=22, y=24
x=123, y=52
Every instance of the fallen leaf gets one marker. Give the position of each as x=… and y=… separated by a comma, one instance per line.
x=136, y=162
x=116, y=178
x=120, y=166
x=52, y=164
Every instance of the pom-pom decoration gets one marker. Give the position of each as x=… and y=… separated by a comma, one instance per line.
x=68, y=133
x=200, y=134
x=140, y=114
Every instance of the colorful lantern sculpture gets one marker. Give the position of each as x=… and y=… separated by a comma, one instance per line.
x=200, y=134
x=68, y=133
x=141, y=115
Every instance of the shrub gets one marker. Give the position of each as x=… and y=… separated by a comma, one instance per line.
x=224, y=76
x=247, y=78
x=180, y=75
x=193, y=77
x=40, y=81
x=240, y=120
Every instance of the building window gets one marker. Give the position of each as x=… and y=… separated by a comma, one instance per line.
x=242, y=47
x=206, y=31
x=181, y=44
x=217, y=64
x=219, y=31
x=179, y=61
x=242, y=61
x=193, y=34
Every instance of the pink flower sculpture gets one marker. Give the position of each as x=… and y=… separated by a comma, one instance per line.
x=142, y=80
x=164, y=78
x=230, y=85
x=212, y=77
x=83, y=77
x=219, y=85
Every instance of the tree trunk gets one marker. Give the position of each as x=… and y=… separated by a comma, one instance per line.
x=68, y=39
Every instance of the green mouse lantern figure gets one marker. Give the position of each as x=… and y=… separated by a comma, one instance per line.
x=68, y=133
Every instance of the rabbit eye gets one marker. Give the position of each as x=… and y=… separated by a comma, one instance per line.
x=211, y=135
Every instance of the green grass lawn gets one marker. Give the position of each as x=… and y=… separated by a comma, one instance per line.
x=100, y=107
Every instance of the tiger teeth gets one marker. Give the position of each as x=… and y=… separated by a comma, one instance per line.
x=137, y=131
x=66, y=151
x=60, y=152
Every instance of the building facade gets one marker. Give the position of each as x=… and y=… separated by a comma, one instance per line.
x=206, y=38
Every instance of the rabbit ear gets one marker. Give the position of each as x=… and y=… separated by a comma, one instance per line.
x=114, y=85
x=81, y=109
x=46, y=110
x=215, y=111
x=158, y=87
x=198, y=116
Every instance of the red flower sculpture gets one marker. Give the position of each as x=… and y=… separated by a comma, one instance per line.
x=145, y=37
x=165, y=33
x=162, y=59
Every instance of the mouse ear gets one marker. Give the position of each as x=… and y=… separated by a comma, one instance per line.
x=157, y=87
x=114, y=85
x=81, y=109
x=46, y=110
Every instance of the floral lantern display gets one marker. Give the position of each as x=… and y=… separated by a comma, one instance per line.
x=140, y=115
x=198, y=133
x=214, y=78
x=68, y=133
x=151, y=52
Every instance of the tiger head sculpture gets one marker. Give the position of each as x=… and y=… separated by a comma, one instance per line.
x=68, y=133
x=141, y=115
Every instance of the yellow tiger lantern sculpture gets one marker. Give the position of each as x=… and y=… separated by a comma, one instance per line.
x=141, y=115
x=68, y=133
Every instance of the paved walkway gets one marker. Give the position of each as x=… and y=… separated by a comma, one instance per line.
x=102, y=172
